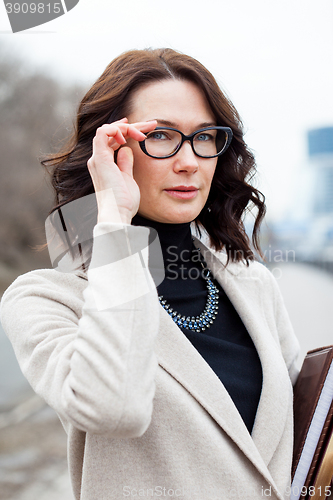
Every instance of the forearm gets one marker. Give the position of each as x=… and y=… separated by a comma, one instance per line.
x=96, y=370
x=121, y=303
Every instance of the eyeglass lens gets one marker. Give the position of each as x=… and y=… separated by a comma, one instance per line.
x=207, y=143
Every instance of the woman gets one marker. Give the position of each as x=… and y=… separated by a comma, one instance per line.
x=184, y=388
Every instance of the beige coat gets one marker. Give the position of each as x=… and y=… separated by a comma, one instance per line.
x=145, y=414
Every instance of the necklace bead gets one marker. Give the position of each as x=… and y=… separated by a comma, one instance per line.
x=206, y=318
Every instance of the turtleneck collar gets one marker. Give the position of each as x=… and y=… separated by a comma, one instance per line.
x=174, y=238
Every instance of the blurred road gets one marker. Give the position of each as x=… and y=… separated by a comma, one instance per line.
x=13, y=386
x=33, y=463
x=308, y=295
x=33, y=443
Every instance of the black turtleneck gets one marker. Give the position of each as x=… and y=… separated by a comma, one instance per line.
x=226, y=345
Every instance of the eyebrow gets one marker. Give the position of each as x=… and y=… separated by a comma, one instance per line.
x=167, y=123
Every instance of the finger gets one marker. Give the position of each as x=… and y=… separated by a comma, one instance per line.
x=118, y=131
x=113, y=144
x=129, y=128
x=125, y=160
x=144, y=126
x=136, y=130
x=106, y=136
x=124, y=126
x=122, y=120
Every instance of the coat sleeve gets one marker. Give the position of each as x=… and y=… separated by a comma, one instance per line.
x=91, y=355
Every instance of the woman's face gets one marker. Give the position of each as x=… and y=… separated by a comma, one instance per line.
x=164, y=183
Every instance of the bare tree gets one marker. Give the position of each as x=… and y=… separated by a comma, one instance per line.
x=35, y=116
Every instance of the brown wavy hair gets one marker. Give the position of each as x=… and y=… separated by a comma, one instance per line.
x=109, y=99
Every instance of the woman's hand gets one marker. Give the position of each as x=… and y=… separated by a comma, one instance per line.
x=117, y=193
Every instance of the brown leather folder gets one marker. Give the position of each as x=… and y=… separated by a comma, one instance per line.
x=322, y=476
x=313, y=426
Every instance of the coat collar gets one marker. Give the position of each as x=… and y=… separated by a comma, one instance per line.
x=198, y=378
x=233, y=268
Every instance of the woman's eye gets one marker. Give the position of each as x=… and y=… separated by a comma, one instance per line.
x=204, y=137
x=157, y=136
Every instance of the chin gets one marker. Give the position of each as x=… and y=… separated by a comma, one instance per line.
x=177, y=215
x=179, y=218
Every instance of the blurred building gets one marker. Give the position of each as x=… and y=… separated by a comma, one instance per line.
x=320, y=143
x=309, y=227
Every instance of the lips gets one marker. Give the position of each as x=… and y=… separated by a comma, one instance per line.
x=183, y=192
x=183, y=188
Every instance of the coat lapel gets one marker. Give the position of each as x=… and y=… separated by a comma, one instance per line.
x=180, y=359
x=244, y=290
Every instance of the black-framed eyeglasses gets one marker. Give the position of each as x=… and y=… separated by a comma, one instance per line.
x=209, y=142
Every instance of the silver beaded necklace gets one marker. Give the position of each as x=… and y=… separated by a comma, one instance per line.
x=206, y=318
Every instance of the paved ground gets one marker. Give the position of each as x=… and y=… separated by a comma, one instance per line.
x=33, y=462
x=33, y=443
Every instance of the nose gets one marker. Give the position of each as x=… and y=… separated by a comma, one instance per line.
x=185, y=159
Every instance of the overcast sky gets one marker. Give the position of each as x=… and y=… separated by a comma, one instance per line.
x=274, y=58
